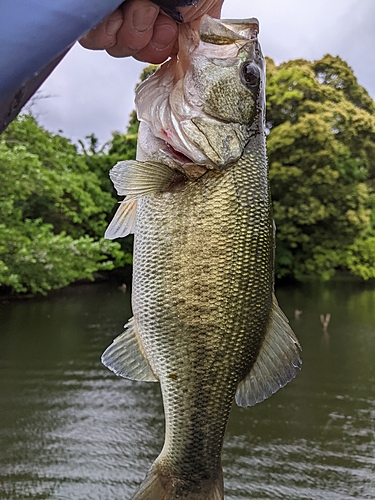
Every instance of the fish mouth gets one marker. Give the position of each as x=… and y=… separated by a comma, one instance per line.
x=180, y=128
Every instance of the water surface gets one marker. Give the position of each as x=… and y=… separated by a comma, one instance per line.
x=70, y=429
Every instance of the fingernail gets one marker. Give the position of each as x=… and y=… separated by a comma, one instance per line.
x=112, y=27
x=164, y=34
x=144, y=18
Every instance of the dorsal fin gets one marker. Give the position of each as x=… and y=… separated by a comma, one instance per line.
x=276, y=364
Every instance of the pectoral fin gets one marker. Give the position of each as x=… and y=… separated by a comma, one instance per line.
x=135, y=179
x=126, y=356
x=123, y=222
x=276, y=364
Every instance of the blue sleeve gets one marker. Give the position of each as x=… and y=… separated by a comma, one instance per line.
x=34, y=36
x=34, y=32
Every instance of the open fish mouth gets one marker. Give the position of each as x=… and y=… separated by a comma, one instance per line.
x=188, y=122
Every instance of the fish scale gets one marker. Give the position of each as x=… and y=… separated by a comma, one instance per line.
x=196, y=304
x=206, y=323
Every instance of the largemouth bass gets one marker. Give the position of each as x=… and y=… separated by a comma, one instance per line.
x=206, y=323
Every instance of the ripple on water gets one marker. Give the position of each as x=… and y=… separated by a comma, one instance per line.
x=70, y=429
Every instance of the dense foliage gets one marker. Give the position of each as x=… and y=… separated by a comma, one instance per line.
x=321, y=149
x=53, y=212
x=55, y=201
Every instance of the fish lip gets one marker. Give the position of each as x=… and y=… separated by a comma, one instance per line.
x=246, y=29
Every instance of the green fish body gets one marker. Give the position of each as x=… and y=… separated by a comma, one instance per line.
x=206, y=323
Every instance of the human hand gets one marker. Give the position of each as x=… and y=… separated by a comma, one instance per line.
x=142, y=30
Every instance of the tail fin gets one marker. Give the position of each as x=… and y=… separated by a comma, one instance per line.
x=158, y=486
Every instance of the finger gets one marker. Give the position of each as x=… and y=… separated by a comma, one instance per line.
x=137, y=28
x=215, y=10
x=162, y=42
x=104, y=35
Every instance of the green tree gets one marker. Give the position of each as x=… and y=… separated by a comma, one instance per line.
x=100, y=161
x=321, y=148
x=53, y=212
x=68, y=194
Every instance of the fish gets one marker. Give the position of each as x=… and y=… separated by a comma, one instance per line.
x=206, y=323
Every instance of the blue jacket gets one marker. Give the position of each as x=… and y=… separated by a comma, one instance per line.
x=36, y=34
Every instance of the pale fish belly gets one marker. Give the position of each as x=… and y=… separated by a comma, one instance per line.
x=202, y=293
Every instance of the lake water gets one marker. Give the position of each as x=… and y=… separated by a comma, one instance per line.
x=70, y=429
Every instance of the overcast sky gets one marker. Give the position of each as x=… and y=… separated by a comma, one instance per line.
x=91, y=92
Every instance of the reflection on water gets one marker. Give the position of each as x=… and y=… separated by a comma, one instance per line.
x=70, y=429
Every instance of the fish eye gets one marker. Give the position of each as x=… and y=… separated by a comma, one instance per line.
x=250, y=75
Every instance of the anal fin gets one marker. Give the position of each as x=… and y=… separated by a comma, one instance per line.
x=277, y=362
x=126, y=356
